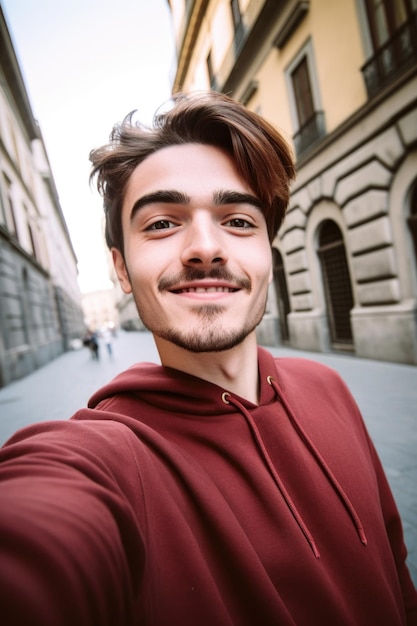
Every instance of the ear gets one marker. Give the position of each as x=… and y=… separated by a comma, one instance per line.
x=121, y=270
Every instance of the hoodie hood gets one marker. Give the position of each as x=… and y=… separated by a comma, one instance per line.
x=163, y=387
x=176, y=391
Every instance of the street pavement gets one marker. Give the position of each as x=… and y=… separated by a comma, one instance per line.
x=385, y=392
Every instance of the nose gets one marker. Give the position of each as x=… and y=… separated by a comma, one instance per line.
x=203, y=244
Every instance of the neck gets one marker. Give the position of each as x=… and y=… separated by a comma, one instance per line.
x=234, y=370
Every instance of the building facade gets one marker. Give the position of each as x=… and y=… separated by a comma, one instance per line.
x=339, y=79
x=40, y=300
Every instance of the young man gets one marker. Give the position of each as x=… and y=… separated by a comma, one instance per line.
x=224, y=487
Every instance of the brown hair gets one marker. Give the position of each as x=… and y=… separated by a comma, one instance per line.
x=261, y=155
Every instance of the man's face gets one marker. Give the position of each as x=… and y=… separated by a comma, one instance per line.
x=197, y=254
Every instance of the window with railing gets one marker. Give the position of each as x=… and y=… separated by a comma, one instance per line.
x=393, y=36
x=312, y=129
x=210, y=71
x=308, y=118
x=8, y=206
x=237, y=23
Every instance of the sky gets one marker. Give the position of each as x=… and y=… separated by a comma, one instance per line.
x=86, y=64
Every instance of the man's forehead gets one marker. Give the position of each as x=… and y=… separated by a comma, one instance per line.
x=191, y=169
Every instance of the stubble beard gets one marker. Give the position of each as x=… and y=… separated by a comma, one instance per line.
x=210, y=336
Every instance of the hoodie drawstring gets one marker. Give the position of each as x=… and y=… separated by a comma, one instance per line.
x=320, y=460
x=229, y=399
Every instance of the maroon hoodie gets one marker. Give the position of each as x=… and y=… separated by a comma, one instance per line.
x=172, y=502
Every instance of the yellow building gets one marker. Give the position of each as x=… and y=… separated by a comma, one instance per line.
x=339, y=79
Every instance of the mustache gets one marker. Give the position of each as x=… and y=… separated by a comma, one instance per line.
x=190, y=274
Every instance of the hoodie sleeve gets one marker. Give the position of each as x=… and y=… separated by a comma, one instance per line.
x=70, y=549
x=389, y=509
x=392, y=519
x=310, y=376
x=396, y=538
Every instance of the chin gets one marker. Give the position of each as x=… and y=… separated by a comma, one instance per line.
x=206, y=341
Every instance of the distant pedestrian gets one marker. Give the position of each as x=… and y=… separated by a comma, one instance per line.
x=107, y=337
x=95, y=346
x=91, y=341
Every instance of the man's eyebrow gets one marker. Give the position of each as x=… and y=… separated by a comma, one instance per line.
x=235, y=197
x=169, y=196
x=165, y=196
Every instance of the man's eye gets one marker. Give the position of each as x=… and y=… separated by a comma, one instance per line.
x=238, y=222
x=161, y=225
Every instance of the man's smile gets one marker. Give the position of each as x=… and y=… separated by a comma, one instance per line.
x=204, y=288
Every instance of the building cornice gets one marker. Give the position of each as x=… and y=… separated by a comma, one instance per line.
x=10, y=68
x=193, y=20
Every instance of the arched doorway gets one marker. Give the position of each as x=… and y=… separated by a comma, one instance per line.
x=283, y=300
x=337, y=284
x=412, y=220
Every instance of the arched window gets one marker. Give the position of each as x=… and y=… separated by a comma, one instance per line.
x=283, y=300
x=337, y=285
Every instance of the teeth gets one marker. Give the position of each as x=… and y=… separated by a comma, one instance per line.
x=207, y=290
x=211, y=289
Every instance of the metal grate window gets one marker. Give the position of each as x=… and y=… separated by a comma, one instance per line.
x=337, y=285
x=283, y=299
x=412, y=220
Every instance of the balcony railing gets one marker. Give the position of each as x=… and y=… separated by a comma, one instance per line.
x=391, y=59
x=309, y=133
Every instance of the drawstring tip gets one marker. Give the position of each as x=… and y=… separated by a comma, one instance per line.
x=314, y=548
x=362, y=535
